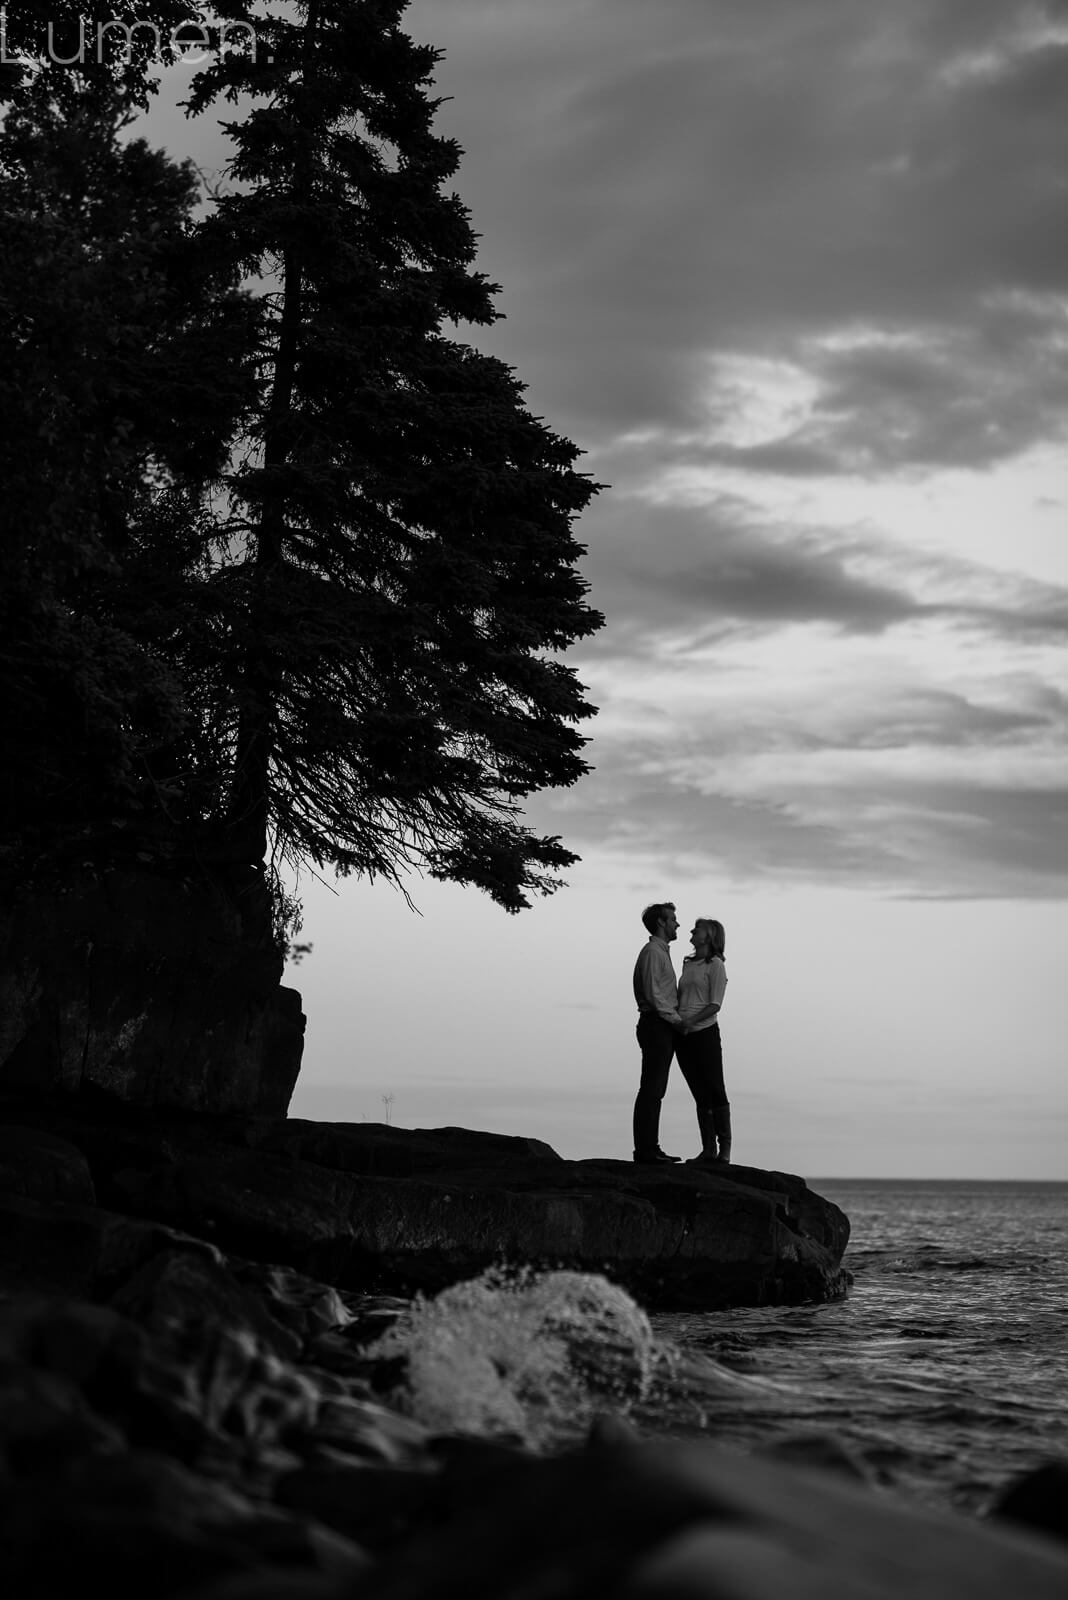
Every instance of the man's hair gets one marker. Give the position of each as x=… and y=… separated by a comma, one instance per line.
x=652, y=916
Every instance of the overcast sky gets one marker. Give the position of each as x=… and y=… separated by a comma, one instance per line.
x=794, y=274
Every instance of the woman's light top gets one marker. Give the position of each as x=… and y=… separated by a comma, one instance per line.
x=701, y=983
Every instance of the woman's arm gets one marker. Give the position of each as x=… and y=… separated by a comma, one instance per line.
x=700, y=1016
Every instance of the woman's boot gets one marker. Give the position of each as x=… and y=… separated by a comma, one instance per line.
x=721, y=1121
x=706, y=1124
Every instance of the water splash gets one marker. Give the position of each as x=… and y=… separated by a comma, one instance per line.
x=531, y=1355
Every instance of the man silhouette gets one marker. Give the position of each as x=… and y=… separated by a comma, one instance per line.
x=657, y=996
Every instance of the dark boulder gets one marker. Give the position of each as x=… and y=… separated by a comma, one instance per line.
x=42, y=1166
x=666, y=1521
x=1037, y=1499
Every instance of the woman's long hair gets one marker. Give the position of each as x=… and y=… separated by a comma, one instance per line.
x=717, y=936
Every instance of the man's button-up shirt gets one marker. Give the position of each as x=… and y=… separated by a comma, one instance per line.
x=655, y=988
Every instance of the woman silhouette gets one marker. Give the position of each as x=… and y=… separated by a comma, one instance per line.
x=699, y=1049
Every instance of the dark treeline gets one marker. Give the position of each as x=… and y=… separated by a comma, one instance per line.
x=286, y=564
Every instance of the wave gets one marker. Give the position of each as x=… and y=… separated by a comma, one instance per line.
x=928, y=1259
x=538, y=1356
x=527, y=1355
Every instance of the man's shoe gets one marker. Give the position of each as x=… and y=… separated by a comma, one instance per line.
x=655, y=1158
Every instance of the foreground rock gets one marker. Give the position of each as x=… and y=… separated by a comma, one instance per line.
x=384, y=1209
x=688, y=1522
x=186, y=1424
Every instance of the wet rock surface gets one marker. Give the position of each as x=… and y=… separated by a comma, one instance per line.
x=182, y=1417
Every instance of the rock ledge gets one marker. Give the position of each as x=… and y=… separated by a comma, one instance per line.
x=382, y=1209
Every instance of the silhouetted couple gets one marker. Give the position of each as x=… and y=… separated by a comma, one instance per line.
x=681, y=1019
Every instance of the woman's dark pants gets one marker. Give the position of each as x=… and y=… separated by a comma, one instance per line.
x=701, y=1064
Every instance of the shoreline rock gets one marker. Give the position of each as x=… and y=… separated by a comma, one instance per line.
x=183, y=1420
x=392, y=1210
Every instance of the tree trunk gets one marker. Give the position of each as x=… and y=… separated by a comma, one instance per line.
x=262, y=670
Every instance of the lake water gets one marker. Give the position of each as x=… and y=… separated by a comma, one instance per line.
x=945, y=1371
x=947, y=1367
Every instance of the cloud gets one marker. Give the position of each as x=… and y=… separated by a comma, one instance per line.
x=817, y=703
x=697, y=179
x=871, y=193
x=942, y=398
x=772, y=710
x=667, y=572
x=773, y=820
x=671, y=575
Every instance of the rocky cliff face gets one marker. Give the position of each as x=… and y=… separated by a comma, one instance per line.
x=157, y=987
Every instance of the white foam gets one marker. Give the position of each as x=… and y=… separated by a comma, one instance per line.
x=534, y=1355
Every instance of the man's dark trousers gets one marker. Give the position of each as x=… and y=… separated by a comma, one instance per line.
x=656, y=1039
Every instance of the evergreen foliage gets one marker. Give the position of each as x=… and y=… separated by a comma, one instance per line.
x=312, y=547
x=123, y=369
